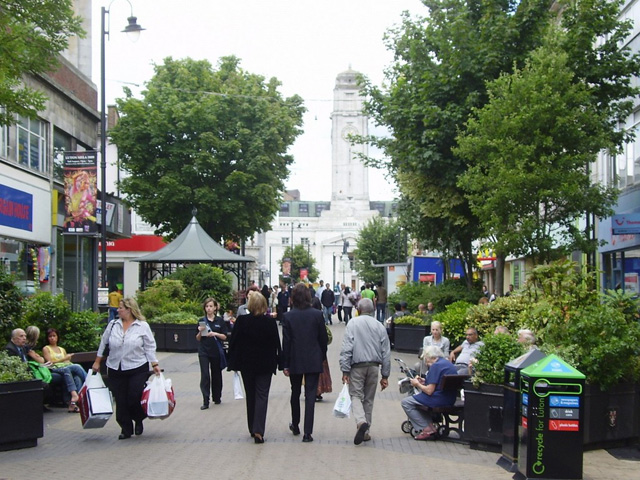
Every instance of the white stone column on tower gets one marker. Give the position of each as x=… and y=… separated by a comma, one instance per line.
x=349, y=176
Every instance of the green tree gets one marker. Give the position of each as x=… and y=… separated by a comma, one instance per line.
x=32, y=34
x=202, y=281
x=211, y=139
x=528, y=149
x=379, y=241
x=300, y=258
x=441, y=65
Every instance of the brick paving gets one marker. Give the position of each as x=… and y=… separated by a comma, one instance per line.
x=215, y=442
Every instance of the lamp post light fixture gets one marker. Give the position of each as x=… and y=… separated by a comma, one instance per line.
x=133, y=31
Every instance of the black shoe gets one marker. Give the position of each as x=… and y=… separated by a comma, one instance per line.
x=362, y=429
x=294, y=429
x=258, y=439
x=318, y=398
x=217, y=402
x=307, y=438
x=139, y=428
x=204, y=406
x=124, y=436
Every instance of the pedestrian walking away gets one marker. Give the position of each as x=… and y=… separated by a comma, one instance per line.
x=365, y=353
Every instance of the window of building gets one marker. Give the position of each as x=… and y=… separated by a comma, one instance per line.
x=304, y=241
x=32, y=145
x=61, y=143
x=285, y=240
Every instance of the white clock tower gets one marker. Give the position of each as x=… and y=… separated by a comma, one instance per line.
x=349, y=176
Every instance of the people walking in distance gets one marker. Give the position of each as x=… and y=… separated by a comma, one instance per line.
x=365, y=353
x=381, y=303
x=347, y=304
x=327, y=298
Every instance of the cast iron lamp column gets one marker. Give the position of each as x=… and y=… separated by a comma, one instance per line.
x=133, y=31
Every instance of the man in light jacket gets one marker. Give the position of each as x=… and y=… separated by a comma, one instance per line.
x=365, y=352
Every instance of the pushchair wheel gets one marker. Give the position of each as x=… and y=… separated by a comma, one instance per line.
x=443, y=431
x=406, y=426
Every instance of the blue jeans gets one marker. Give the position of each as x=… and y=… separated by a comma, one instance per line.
x=113, y=313
x=381, y=309
x=327, y=312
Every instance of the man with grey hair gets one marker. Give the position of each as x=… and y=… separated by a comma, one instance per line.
x=430, y=393
x=527, y=338
x=16, y=347
x=365, y=351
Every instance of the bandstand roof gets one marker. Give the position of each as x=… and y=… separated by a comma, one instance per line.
x=191, y=246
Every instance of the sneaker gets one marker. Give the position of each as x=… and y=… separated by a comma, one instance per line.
x=362, y=430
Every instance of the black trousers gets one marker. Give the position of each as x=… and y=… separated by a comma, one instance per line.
x=256, y=393
x=210, y=378
x=310, y=389
x=339, y=313
x=127, y=387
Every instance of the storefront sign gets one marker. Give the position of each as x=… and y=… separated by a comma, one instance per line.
x=627, y=224
x=16, y=208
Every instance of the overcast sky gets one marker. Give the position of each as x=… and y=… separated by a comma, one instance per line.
x=303, y=43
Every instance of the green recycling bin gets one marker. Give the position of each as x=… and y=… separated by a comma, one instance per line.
x=551, y=430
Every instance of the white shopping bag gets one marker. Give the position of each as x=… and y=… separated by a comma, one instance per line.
x=237, y=386
x=155, y=400
x=342, y=407
x=95, y=402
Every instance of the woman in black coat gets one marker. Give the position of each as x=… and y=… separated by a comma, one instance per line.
x=254, y=350
x=304, y=347
x=212, y=331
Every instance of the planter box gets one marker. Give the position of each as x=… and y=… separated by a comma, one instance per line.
x=21, y=422
x=483, y=416
x=612, y=418
x=159, y=330
x=409, y=338
x=180, y=338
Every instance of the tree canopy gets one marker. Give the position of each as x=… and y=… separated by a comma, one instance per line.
x=300, y=258
x=32, y=34
x=212, y=139
x=379, y=242
x=527, y=151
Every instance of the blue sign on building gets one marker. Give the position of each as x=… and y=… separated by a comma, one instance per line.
x=16, y=208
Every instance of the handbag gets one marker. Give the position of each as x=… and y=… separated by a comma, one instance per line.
x=342, y=407
x=105, y=352
x=39, y=371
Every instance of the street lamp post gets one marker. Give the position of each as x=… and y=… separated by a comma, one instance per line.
x=133, y=30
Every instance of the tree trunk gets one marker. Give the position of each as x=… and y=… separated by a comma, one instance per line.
x=500, y=260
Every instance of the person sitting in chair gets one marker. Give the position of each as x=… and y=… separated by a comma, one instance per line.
x=430, y=393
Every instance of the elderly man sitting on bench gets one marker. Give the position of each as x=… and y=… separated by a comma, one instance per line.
x=430, y=393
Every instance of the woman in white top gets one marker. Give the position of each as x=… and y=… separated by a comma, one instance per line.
x=347, y=305
x=131, y=349
x=436, y=339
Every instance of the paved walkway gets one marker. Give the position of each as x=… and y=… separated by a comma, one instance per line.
x=200, y=444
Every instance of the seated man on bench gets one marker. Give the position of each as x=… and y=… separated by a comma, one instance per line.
x=430, y=394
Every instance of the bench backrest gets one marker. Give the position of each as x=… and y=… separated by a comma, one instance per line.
x=453, y=382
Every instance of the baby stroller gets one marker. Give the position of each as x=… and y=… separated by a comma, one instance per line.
x=445, y=419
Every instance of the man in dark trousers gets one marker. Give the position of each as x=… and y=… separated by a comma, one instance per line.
x=283, y=302
x=327, y=299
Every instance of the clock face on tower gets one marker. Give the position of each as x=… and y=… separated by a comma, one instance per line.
x=349, y=130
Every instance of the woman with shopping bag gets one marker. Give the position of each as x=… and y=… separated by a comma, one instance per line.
x=254, y=350
x=131, y=349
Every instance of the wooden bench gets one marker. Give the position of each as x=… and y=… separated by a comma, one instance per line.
x=451, y=417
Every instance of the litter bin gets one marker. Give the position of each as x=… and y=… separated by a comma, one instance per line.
x=511, y=407
x=550, y=429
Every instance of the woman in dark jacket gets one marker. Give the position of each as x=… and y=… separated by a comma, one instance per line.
x=254, y=350
x=304, y=347
x=212, y=331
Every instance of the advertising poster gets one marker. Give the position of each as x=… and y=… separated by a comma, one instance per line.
x=286, y=267
x=81, y=192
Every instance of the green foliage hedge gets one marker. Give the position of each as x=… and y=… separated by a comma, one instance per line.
x=12, y=369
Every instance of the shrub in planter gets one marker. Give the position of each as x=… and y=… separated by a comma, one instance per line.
x=454, y=321
x=10, y=305
x=412, y=320
x=163, y=296
x=202, y=281
x=440, y=295
x=177, y=318
x=498, y=350
x=46, y=311
x=12, y=369
x=503, y=311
